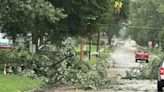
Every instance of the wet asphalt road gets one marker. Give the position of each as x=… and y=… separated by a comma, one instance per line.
x=123, y=59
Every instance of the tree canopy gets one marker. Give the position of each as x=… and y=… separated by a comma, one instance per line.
x=56, y=19
x=85, y=16
x=146, y=21
x=28, y=16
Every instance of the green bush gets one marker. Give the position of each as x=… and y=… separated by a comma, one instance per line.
x=145, y=71
x=59, y=67
x=25, y=63
x=97, y=77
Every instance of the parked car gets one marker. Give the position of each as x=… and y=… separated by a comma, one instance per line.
x=5, y=44
x=46, y=48
x=141, y=55
x=160, y=76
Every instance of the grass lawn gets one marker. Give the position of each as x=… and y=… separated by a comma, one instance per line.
x=94, y=59
x=15, y=83
x=86, y=48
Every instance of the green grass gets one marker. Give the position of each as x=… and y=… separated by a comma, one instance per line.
x=15, y=83
x=86, y=48
x=94, y=59
x=154, y=51
x=93, y=48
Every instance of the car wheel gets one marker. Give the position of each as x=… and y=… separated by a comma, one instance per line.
x=136, y=60
x=146, y=61
x=159, y=86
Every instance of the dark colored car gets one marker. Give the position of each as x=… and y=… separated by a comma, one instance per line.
x=160, y=73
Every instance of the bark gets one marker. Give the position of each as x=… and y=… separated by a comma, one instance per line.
x=90, y=44
x=41, y=41
x=109, y=40
x=35, y=40
x=14, y=39
x=98, y=42
x=81, y=49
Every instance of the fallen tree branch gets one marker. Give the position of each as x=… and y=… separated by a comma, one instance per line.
x=54, y=64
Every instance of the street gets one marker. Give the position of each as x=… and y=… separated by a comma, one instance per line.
x=122, y=60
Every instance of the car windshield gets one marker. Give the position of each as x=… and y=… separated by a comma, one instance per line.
x=140, y=51
x=4, y=44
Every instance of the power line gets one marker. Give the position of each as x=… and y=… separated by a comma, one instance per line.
x=145, y=27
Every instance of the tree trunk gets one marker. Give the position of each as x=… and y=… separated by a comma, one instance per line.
x=90, y=44
x=41, y=41
x=35, y=41
x=109, y=40
x=81, y=49
x=14, y=39
x=98, y=42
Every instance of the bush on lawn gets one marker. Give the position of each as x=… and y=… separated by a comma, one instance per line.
x=145, y=71
x=60, y=67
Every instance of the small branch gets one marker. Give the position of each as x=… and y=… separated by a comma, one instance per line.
x=60, y=61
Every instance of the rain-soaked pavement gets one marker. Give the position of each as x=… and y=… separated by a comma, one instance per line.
x=123, y=58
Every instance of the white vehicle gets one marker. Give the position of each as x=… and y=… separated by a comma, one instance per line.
x=47, y=48
x=160, y=81
x=5, y=43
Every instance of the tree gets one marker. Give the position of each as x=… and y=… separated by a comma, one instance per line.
x=120, y=15
x=145, y=21
x=85, y=17
x=29, y=16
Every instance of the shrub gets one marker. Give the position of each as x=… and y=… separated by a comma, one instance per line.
x=59, y=67
x=145, y=71
x=97, y=77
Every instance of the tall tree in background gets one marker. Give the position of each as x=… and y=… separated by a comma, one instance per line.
x=84, y=16
x=146, y=21
x=28, y=16
x=120, y=15
x=43, y=18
